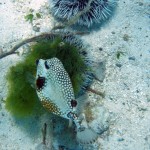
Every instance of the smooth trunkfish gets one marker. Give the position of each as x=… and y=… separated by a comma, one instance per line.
x=55, y=91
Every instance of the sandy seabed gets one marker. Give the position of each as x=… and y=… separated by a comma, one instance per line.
x=126, y=83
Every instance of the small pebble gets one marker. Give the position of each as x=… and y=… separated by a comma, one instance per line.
x=36, y=28
x=126, y=37
x=131, y=58
x=148, y=98
x=100, y=49
x=140, y=3
x=142, y=109
x=110, y=97
x=118, y=65
x=123, y=103
x=121, y=139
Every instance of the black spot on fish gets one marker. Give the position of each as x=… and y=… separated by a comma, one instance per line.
x=40, y=82
x=73, y=103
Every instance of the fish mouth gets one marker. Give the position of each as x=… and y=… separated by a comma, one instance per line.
x=40, y=83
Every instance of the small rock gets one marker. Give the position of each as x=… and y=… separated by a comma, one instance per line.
x=126, y=37
x=118, y=65
x=100, y=48
x=36, y=28
x=148, y=98
x=121, y=139
x=142, y=109
x=131, y=58
x=140, y=3
x=111, y=97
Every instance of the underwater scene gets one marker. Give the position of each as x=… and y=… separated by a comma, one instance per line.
x=74, y=75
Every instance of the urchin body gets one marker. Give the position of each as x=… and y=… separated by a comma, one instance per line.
x=99, y=10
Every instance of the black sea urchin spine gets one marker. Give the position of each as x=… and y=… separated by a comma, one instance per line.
x=99, y=10
x=87, y=75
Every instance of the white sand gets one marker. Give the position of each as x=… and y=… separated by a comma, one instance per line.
x=127, y=84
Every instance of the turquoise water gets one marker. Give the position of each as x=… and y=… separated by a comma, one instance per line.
x=121, y=118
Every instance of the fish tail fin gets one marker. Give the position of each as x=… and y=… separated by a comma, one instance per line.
x=86, y=136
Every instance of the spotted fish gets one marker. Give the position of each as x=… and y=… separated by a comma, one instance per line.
x=55, y=91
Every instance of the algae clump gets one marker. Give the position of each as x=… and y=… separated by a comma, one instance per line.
x=22, y=99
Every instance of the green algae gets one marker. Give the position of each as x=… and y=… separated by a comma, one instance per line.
x=29, y=17
x=22, y=99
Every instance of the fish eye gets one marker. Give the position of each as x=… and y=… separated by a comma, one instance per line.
x=46, y=65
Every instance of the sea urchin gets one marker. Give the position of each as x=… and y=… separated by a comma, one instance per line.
x=22, y=99
x=98, y=10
